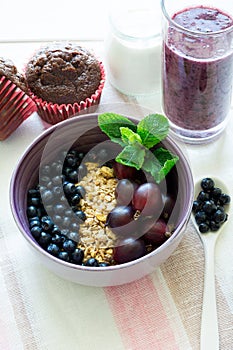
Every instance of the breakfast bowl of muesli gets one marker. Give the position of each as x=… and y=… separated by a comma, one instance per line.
x=103, y=199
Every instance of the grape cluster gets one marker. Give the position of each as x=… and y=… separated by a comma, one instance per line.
x=209, y=206
x=139, y=219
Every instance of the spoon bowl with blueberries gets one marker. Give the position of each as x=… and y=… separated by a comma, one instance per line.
x=210, y=214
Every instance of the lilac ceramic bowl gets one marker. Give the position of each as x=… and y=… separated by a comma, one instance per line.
x=83, y=131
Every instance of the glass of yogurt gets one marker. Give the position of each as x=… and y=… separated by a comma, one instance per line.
x=197, y=67
x=133, y=47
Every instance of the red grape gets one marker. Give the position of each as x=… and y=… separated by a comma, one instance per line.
x=130, y=249
x=169, y=204
x=157, y=233
x=148, y=199
x=119, y=216
x=124, y=191
x=122, y=171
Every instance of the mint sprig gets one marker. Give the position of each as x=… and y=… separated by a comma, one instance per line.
x=110, y=124
x=137, y=141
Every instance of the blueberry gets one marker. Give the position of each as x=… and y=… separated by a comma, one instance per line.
x=203, y=196
x=58, y=239
x=77, y=256
x=207, y=184
x=80, y=155
x=200, y=217
x=73, y=176
x=55, y=230
x=80, y=190
x=69, y=188
x=47, y=224
x=203, y=227
x=215, y=193
x=214, y=226
x=34, y=222
x=92, y=262
x=33, y=192
x=81, y=215
x=209, y=207
x=224, y=199
x=74, y=200
x=219, y=216
x=69, y=245
x=53, y=249
x=31, y=211
x=71, y=160
x=196, y=206
x=34, y=201
x=36, y=232
x=103, y=264
x=66, y=171
x=63, y=256
x=45, y=239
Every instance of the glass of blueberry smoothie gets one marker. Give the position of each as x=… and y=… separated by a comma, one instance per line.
x=197, y=67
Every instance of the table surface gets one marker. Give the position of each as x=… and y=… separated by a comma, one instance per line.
x=39, y=310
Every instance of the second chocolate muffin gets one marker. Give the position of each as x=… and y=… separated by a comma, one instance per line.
x=63, y=73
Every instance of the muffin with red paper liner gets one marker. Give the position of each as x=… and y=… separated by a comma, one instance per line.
x=64, y=79
x=15, y=104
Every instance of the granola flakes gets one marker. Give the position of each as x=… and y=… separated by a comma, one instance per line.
x=95, y=239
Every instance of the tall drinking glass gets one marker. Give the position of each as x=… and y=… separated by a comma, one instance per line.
x=197, y=67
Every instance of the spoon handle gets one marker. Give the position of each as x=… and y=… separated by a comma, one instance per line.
x=209, y=322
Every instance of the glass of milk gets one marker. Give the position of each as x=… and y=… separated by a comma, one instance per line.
x=133, y=48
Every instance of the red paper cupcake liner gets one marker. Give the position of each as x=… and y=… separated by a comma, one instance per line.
x=15, y=107
x=53, y=113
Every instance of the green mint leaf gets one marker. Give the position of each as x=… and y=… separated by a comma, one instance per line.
x=132, y=155
x=152, y=129
x=152, y=165
x=129, y=137
x=159, y=163
x=110, y=124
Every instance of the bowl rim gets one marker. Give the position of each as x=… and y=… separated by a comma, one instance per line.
x=179, y=228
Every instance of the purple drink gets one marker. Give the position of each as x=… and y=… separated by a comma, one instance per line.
x=198, y=68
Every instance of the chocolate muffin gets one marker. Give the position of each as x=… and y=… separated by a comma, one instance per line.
x=9, y=70
x=15, y=104
x=63, y=73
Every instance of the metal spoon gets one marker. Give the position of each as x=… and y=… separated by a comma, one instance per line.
x=209, y=321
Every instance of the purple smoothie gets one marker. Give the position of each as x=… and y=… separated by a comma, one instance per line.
x=198, y=69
